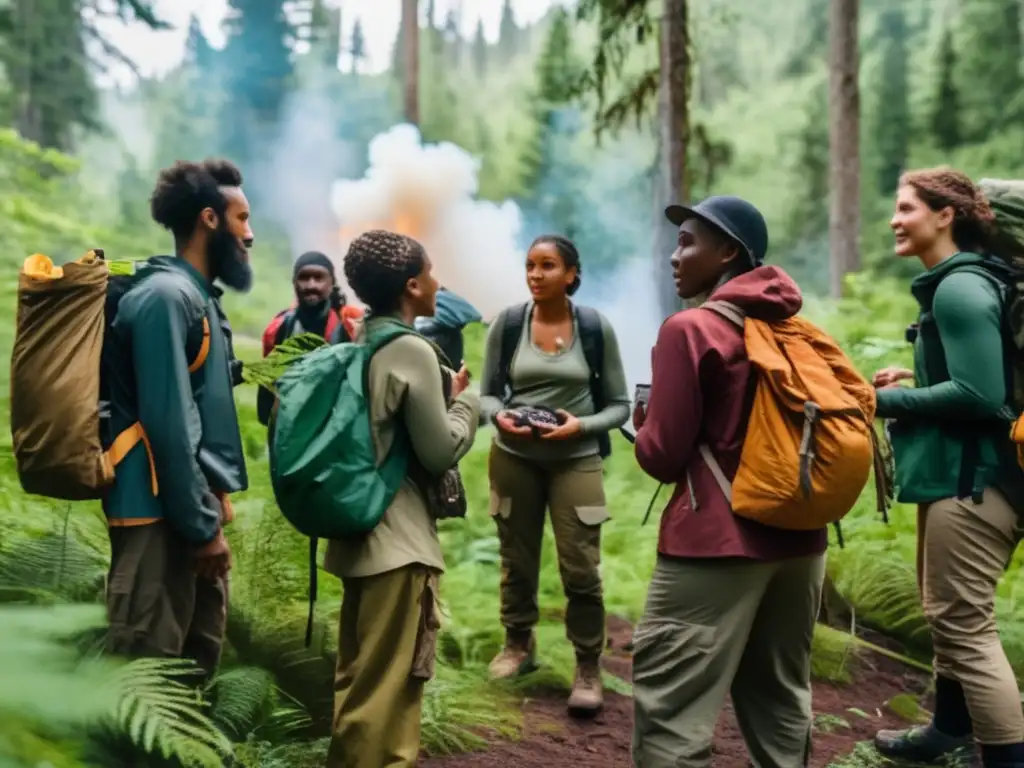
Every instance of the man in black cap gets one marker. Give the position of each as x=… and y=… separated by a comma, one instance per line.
x=319, y=308
x=732, y=603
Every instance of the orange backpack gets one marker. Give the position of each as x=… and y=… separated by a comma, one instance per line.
x=810, y=442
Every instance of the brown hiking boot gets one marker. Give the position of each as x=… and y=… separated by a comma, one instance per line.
x=587, y=695
x=516, y=658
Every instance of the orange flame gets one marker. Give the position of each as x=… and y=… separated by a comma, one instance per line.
x=402, y=224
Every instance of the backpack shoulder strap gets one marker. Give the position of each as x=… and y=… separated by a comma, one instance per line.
x=592, y=339
x=284, y=330
x=513, y=322
x=204, y=348
x=204, y=345
x=728, y=310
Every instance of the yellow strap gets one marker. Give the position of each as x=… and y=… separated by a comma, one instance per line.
x=204, y=348
x=124, y=443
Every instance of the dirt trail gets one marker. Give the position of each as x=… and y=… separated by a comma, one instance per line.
x=844, y=716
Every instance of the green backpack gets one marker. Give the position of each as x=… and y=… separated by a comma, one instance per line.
x=323, y=465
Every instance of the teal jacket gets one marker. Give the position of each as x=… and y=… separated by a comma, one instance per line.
x=189, y=418
x=958, y=406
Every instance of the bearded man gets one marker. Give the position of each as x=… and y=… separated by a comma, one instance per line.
x=171, y=403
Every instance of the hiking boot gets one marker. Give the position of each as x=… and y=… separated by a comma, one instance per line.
x=921, y=744
x=587, y=695
x=518, y=657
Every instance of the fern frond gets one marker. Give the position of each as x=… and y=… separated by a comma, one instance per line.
x=160, y=714
x=57, y=562
x=284, y=724
x=268, y=370
x=243, y=698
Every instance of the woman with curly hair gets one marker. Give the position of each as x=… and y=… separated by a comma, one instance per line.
x=537, y=365
x=954, y=459
x=389, y=618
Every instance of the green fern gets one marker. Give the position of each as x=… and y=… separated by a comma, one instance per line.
x=162, y=715
x=275, y=643
x=284, y=724
x=243, y=698
x=57, y=562
x=268, y=370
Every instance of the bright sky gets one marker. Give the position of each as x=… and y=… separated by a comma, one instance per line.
x=157, y=52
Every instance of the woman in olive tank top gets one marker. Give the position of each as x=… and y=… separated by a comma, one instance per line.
x=547, y=455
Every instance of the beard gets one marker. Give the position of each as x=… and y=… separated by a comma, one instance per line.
x=228, y=263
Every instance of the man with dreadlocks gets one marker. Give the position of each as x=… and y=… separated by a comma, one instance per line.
x=168, y=363
x=389, y=617
x=319, y=308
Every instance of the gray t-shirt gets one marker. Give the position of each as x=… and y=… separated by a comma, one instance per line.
x=558, y=380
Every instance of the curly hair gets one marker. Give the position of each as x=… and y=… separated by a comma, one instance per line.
x=379, y=264
x=570, y=256
x=943, y=187
x=185, y=189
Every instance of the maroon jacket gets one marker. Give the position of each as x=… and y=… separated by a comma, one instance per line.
x=701, y=392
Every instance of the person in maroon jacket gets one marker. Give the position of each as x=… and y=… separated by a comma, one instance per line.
x=732, y=603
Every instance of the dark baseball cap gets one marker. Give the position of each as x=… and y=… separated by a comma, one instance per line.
x=731, y=215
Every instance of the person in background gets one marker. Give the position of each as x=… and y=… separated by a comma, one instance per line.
x=554, y=464
x=389, y=616
x=172, y=390
x=954, y=458
x=319, y=308
x=445, y=328
x=732, y=603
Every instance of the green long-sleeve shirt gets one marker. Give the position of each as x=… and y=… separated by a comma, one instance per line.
x=960, y=385
x=557, y=381
x=189, y=418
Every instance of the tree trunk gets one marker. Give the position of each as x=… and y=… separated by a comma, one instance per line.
x=411, y=47
x=844, y=142
x=673, y=136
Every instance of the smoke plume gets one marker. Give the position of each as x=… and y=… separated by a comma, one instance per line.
x=427, y=191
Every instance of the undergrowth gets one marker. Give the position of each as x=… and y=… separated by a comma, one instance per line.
x=271, y=704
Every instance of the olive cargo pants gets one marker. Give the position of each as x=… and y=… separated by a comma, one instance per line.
x=157, y=605
x=967, y=548
x=521, y=493
x=725, y=626
x=387, y=642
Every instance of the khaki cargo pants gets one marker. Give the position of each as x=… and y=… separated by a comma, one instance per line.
x=725, y=626
x=387, y=644
x=157, y=605
x=967, y=548
x=522, y=492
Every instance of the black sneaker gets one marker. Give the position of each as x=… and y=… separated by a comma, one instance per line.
x=921, y=744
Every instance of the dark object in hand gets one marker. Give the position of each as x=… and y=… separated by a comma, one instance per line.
x=535, y=417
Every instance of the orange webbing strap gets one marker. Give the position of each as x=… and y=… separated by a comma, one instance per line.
x=204, y=348
x=135, y=434
x=127, y=440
